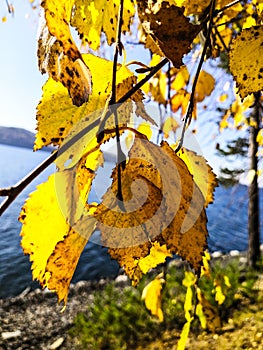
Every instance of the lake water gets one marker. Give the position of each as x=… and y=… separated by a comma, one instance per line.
x=227, y=225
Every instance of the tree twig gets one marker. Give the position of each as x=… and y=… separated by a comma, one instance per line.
x=190, y=107
x=14, y=191
x=118, y=50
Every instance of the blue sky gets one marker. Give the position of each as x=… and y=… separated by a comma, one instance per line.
x=20, y=82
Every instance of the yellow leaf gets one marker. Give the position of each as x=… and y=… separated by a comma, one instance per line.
x=227, y=282
x=158, y=88
x=58, y=15
x=169, y=125
x=152, y=297
x=58, y=54
x=219, y=296
x=180, y=100
x=205, y=86
x=184, y=335
x=203, y=174
x=156, y=20
x=181, y=79
x=189, y=280
x=157, y=255
x=56, y=113
x=63, y=261
x=73, y=186
x=54, y=247
x=199, y=313
x=260, y=137
x=186, y=234
x=151, y=181
x=205, y=269
x=90, y=18
x=247, y=71
x=145, y=129
x=4, y=19
x=223, y=98
x=213, y=322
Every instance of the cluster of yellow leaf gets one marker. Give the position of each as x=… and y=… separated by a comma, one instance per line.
x=205, y=86
x=239, y=112
x=141, y=232
x=164, y=194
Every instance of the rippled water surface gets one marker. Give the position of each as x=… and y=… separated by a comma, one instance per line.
x=227, y=225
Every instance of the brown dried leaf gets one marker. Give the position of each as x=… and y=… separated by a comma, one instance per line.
x=169, y=28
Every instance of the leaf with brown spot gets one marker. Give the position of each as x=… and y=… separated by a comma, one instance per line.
x=57, y=53
x=161, y=203
x=56, y=114
x=246, y=60
x=90, y=18
x=169, y=28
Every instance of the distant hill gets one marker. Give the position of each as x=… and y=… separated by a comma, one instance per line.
x=16, y=137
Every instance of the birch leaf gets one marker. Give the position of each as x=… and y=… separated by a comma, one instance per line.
x=179, y=101
x=58, y=54
x=169, y=28
x=246, y=61
x=205, y=86
x=212, y=319
x=181, y=79
x=54, y=247
x=152, y=297
x=149, y=212
x=90, y=18
x=56, y=114
x=203, y=174
x=157, y=255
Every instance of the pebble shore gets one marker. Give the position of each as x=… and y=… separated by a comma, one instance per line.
x=33, y=319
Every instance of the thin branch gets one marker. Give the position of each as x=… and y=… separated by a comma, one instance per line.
x=15, y=190
x=221, y=39
x=233, y=3
x=118, y=50
x=192, y=96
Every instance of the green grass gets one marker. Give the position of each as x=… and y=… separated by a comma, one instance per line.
x=118, y=319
